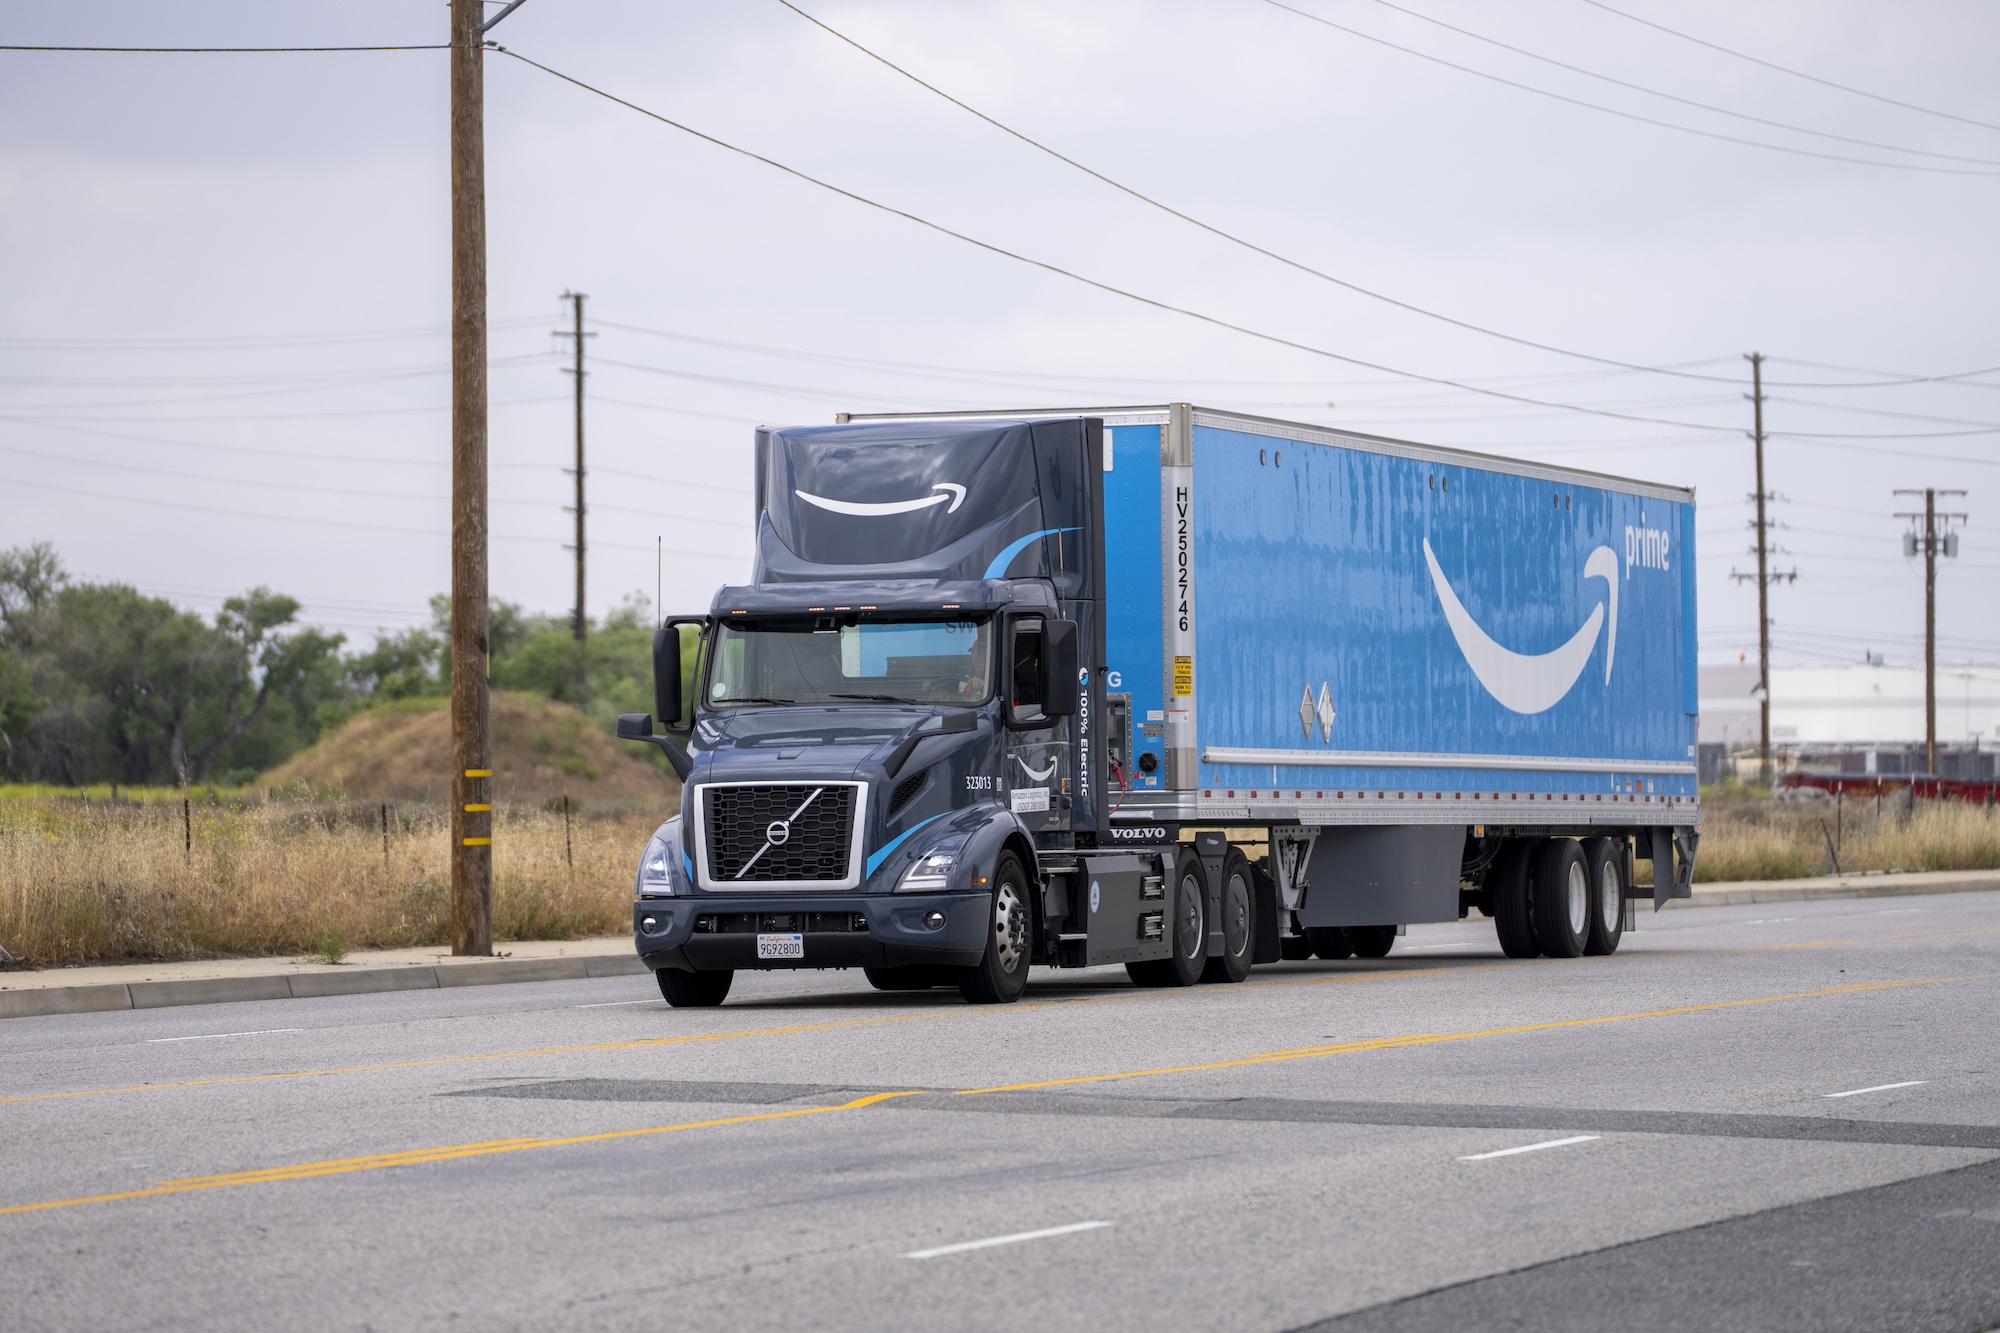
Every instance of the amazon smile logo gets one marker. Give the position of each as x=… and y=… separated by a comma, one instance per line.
x=1524, y=683
x=946, y=491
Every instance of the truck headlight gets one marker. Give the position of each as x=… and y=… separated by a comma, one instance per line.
x=656, y=868
x=931, y=872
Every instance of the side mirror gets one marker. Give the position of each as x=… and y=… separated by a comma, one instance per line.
x=1060, y=686
x=635, y=726
x=666, y=677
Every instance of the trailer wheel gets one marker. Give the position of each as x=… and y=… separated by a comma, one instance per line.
x=1330, y=942
x=1001, y=976
x=1605, y=859
x=694, y=990
x=1188, y=936
x=917, y=976
x=1239, y=922
x=1513, y=904
x=1562, y=898
x=1372, y=941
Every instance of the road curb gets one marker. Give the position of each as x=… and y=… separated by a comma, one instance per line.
x=1859, y=886
x=40, y=1001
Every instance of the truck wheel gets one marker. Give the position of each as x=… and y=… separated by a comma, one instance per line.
x=1372, y=941
x=694, y=990
x=1330, y=942
x=1513, y=903
x=1562, y=898
x=913, y=977
x=1001, y=976
x=1239, y=922
x=1605, y=860
x=1188, y=935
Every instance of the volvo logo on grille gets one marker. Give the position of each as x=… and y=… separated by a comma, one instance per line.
x=778, y=833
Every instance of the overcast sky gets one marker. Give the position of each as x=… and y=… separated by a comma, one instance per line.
x=222, y=346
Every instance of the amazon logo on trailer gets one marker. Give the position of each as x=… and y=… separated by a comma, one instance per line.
x=1524, y=683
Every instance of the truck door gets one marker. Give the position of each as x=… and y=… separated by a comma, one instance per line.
x=1038, y=776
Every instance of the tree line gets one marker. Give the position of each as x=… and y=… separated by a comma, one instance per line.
x=102, y=683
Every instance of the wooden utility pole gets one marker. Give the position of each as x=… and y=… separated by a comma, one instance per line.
x=471, y=735
x=582, y=625
x=1932, y=543
x=1763, y=576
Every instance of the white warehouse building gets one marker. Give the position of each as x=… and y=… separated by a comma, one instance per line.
x=1862, y=718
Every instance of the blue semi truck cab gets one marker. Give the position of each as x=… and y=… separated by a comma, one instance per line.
x=1165, y=687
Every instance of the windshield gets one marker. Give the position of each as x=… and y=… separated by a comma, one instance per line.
x=808, y=660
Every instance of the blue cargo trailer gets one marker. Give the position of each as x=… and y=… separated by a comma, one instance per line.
x=1170, y=687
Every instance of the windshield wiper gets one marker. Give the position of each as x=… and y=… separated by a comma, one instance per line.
x=751, y=699
x=875, y=698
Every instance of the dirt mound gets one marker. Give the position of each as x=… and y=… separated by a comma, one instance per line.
x=540, y=747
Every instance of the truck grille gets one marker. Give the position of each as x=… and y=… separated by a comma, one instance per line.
x=791, y=833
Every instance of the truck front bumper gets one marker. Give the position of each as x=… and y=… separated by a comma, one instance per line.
x=716, y=932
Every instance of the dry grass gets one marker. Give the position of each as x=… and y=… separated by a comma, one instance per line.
x=94, y=882
x=1754, y=839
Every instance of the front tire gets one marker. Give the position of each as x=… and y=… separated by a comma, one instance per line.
x=1188, y=937
x=1239, y=922
x=1001, y=976
x=1562, y=899
x=694, y=990
x=1605, y=860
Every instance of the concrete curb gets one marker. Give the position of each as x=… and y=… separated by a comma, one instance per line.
x=38, y=1001
x=1842, y=886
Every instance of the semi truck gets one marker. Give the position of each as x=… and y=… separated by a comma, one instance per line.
x=1168, y=687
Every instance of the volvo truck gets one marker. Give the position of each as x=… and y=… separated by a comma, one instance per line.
x=1167, y=687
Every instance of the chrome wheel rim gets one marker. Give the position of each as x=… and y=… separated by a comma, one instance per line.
x=1010, y=926
x=1579, y=898
x=1187, y=926
x=1611, y=897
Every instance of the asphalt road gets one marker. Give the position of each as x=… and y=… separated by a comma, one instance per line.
x=1328, y=1145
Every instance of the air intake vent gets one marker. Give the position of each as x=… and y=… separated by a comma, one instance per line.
x=778, y=833
x=906, y=791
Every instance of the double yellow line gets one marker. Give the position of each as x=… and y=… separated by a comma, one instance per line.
x=492, y=1147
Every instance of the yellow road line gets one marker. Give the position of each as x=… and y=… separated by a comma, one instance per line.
x=1431, y=1039
x=1344, y=978
x=697, y=1038
x=457, y=1152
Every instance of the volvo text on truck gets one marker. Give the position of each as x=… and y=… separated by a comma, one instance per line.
x=1169, y=687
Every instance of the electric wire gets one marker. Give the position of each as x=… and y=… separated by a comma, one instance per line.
x=1626, y=115
x=1108, y=288
x=1231, y=237
x=1782, y=69
x=1674, y=97
x=230, y=50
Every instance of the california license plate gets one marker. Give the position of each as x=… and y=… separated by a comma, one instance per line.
x=781, y=946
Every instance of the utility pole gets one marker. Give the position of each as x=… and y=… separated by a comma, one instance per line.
x=581, y=627
x=1933, y=543
x=471, y=735
x=1763, y=576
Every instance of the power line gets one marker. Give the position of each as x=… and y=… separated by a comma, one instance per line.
x=1885, y=412
x=1966, y=377
x=229, y=50
x=1108, y=288
x=199, y=342
x=1626, y=115
x=1674, y=97
x=1782, y=69
x=1232, y=238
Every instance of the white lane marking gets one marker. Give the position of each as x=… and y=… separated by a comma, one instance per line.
x=1531, y=1147
x=1879, y=1087
x=1014, y=1239
x=614, y=1004
x=213, y=1036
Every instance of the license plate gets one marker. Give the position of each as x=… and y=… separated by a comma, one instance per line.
x=781, y=946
